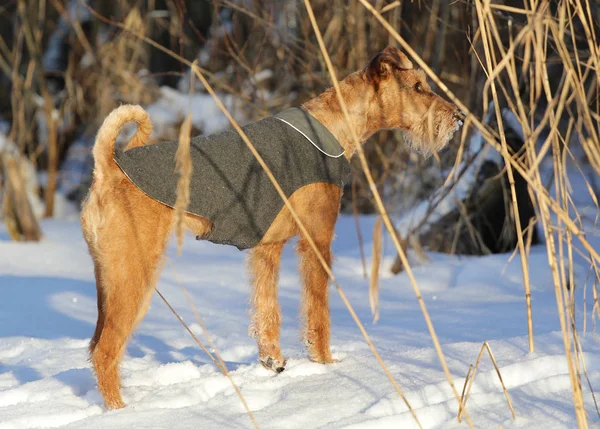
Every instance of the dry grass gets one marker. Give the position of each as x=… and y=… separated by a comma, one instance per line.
x=184, y=171
x=375, y=267
x=572, y=99
x=470, y=378
x=488, y=49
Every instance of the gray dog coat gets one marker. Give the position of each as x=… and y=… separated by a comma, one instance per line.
x=228, y=186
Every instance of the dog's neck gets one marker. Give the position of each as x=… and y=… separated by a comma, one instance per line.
x=326, y=109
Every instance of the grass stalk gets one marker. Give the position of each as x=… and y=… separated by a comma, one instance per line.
x=509, y=171
x=218, y=363
x=469, y=381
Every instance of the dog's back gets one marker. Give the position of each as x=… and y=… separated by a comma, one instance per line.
x=228, y=186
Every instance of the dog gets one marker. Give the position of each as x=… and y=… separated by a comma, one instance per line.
x=127, y=230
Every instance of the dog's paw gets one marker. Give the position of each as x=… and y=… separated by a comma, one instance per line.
x=277, y=365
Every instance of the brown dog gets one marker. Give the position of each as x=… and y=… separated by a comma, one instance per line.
x=127, y=231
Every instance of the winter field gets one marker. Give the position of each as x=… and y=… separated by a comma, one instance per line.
x=48, y=311
x=64, y=64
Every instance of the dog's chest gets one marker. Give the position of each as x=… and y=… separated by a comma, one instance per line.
x=228, y=186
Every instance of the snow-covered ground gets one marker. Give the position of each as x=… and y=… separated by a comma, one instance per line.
x=48, y=310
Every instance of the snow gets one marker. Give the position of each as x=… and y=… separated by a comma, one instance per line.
x=48, y=310
x=173, y=106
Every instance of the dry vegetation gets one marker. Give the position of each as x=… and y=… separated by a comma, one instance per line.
x=538, y=60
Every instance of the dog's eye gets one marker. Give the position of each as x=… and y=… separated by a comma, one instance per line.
x=419, y=87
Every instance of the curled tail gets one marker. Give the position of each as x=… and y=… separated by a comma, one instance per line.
x=111, y=127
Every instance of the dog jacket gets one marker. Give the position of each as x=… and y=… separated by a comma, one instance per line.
x=228, y=186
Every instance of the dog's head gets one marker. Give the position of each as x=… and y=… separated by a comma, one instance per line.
x=401, y=98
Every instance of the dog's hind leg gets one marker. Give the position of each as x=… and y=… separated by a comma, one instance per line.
x=100, y=305
x=266, y=318
x=88, y=224
x=129, y=248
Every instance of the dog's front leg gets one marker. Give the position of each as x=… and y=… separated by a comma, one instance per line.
x=266, y=314
x=315, y=300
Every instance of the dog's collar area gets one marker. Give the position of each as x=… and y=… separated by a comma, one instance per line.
x=315, y=132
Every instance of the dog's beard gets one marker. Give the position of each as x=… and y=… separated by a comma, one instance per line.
x=431, y=136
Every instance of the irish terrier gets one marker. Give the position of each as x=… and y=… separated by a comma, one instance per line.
x=127, y=228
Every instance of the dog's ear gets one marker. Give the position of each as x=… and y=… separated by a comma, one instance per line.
x=386, y=61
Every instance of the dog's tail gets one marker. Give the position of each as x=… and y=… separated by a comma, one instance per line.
x=107, y=135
